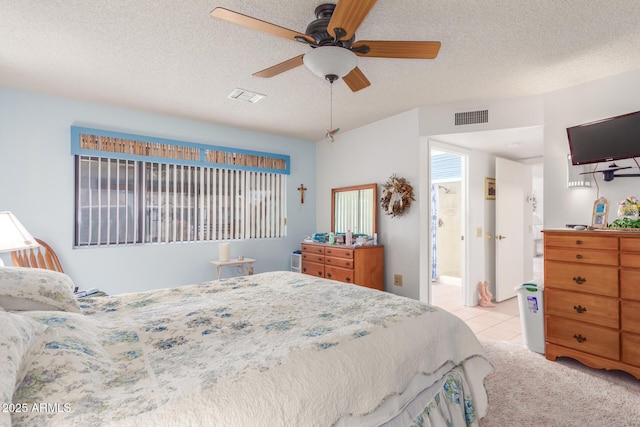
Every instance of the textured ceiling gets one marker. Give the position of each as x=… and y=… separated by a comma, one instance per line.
x=172, y=57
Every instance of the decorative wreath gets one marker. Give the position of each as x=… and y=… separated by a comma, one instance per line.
x=397, y=195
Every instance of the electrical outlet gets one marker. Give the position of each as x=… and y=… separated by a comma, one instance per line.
x=397, y=279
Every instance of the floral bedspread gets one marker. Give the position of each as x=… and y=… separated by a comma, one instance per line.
x=276, y=348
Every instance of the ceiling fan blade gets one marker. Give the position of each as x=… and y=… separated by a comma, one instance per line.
x=257, y=24
x=347, y=16
x=356, y=80
x=397, y=49
x=280, y=68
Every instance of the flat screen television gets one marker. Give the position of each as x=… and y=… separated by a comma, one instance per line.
x=605, y=140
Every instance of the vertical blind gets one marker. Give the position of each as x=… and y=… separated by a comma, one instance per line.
x=352, y=211
x=121, y=201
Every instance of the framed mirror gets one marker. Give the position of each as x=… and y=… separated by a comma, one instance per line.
x=355, y=208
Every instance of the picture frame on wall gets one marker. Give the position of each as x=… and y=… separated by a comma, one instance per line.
x=490, y=188
x=600, y=213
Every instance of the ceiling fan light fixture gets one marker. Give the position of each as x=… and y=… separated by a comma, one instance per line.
x=330, y=62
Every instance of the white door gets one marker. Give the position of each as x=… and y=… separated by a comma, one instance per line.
x=510, y=227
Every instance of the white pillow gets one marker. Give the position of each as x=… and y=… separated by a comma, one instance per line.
x=25, y=289
x=19, y=345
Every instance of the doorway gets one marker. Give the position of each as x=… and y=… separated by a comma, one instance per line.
x=447, y=250
x=480, y=149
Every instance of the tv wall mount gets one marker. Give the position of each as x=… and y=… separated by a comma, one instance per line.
x=610, y=173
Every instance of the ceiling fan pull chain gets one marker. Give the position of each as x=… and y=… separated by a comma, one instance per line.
x=331, y=132
x=331, y=108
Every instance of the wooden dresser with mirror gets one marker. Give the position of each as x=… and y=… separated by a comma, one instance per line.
x=352, y=208
x=592, y=298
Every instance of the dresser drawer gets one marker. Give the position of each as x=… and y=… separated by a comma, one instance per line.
x=629, y=259
x=601, y=280
x=313, y=268
x=631, y=348
x=337, y=273
x=629, y=245
x=316, y=249
x=338, y=262
x=339, y=252
x=313, y=257
x=630, y=284
x=630, y=316
x=593, y=309
x=581, y=256
x=360, y=265
x=582, y=336
x=578, y=241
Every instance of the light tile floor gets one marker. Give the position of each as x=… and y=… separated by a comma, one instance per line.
x=501, y=322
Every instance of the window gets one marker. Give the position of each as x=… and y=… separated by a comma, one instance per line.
x=122, y=201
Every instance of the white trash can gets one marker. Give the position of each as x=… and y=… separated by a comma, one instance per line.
x=296, y=261
x=531, y=302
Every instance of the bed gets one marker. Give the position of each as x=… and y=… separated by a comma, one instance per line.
x=272, y=349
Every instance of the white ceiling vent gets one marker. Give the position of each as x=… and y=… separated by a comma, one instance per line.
x=247, y=96
x=472, y=117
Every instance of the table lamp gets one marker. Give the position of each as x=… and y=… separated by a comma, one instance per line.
x=13, y=235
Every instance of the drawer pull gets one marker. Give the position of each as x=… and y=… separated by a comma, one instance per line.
x=578, y=242
x=304, y=269
x=329, y=275
x=580, y=309
x=579, y=280
x=580, y=338
x=319, y=273
x=578, y=256
x=348, y=279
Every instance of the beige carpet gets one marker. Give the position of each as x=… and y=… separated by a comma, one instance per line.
x=528, y=390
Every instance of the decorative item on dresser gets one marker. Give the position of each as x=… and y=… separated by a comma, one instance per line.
x=361, y=265
x=592, y=301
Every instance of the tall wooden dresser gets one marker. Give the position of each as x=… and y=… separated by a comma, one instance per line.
x=361, y=265
x=592, y=298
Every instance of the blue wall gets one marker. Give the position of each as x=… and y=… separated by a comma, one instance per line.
x=37, y=185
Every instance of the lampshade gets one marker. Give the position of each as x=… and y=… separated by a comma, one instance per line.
x=13, y=235
x=330, y=62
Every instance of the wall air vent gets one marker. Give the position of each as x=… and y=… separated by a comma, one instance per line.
x=245, y=95
x=472, y=117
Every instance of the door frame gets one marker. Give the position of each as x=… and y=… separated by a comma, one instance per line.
x=466, y=293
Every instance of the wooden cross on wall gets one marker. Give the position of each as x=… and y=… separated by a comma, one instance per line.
x=302, y=189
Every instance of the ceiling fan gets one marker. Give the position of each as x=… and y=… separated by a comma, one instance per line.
x=332, y=37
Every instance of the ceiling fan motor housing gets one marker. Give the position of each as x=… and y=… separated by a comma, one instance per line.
x=318, y=28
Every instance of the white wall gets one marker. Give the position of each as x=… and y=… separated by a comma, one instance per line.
x=591, y=101
x=37, y=184
x=372, y=154
x=400, y=144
